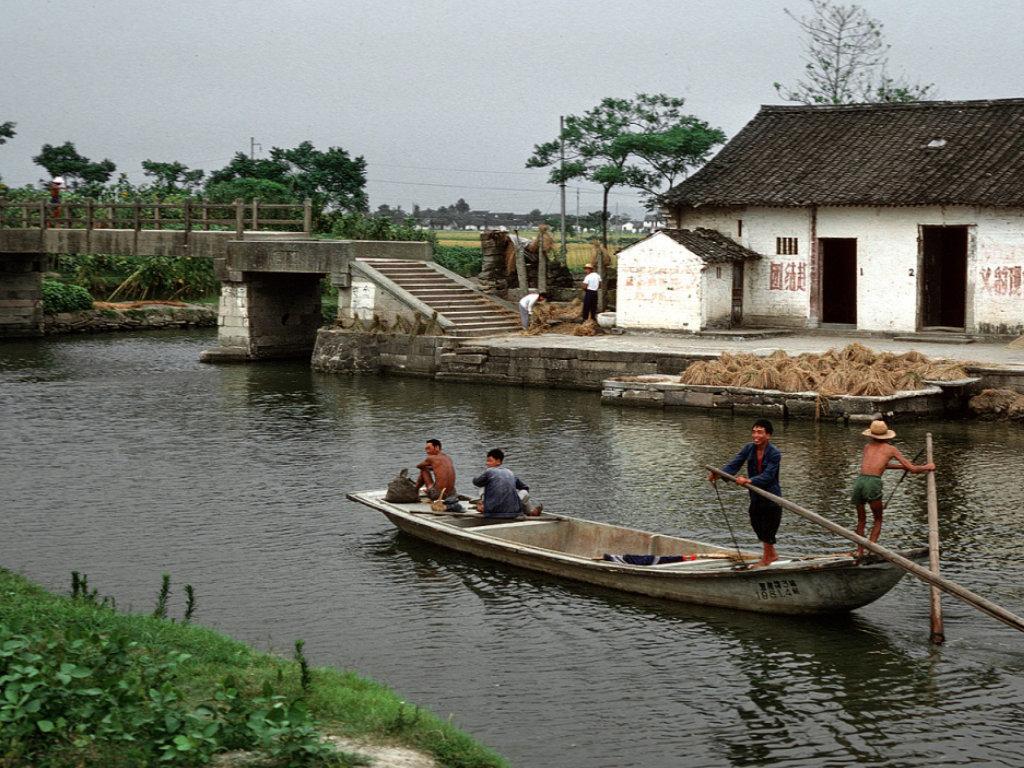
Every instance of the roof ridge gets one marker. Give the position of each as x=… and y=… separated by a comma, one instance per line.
x=881, y=106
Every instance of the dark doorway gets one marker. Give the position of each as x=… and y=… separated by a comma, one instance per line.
x=737, y=293
x=943, y=277
x=838, y=280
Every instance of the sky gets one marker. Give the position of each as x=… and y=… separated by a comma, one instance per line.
x=444, y=100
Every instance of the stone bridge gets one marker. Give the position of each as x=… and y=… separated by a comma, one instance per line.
x=270, y=303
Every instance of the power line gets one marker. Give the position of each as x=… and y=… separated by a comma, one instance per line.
x=535, y=190
x=459, y=170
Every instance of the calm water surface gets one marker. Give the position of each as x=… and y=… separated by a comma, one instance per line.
x=123, y=457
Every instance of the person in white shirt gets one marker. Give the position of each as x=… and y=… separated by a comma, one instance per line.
x=591, y=282
x=526, y=306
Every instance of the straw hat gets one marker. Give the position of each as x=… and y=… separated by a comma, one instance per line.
x=588, y=266
x=879, y=430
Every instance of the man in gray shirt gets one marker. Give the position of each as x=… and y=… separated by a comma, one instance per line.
x=504, y=494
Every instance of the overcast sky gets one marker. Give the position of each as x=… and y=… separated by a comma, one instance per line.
x=443, y=99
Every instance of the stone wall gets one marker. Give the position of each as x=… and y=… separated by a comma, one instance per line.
x=21, y=294
x=147, y=318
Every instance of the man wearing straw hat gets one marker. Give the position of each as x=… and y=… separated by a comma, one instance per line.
x=879, y=455
x=591, y=282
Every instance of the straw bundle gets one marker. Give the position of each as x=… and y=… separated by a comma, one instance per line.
x=998, y=402
x=853, y=370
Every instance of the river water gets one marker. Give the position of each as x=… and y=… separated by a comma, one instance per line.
x=123, y=457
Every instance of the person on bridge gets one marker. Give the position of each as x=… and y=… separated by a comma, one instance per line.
x=56, y=187
x=505, y=495
x=763, y=460
x=879, y=455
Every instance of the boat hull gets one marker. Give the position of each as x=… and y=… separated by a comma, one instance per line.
x=829, y=584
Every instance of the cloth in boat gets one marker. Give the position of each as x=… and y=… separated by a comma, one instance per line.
x=867, y=488
x=765, y=515
x=647, y=559
x=501, y=492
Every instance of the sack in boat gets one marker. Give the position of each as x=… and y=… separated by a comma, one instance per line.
x=438, y=504
x=402, y=490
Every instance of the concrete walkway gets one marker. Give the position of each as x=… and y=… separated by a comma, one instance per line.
x=983, y=354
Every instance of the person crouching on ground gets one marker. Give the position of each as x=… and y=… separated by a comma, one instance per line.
x=763, y=460
x=591, y=282
x=879, y=455
x=504, y=494
x=526, y=305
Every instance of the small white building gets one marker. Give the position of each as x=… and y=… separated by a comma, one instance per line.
x=889, y=218
x=681, y=280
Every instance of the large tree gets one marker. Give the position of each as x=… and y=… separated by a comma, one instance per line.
x=846, y=59
x=331, y=178
x=173, y=177
x=79, y=172
x=646, y=143
x=6, y=132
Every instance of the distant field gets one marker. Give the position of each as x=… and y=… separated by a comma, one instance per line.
x=579, y=251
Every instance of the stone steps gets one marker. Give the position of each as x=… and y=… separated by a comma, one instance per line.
x=471, y=312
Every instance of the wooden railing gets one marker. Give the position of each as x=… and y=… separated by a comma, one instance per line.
x=188, y=216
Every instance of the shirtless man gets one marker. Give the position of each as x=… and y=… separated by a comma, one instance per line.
x=879, y=455
x=437, y=473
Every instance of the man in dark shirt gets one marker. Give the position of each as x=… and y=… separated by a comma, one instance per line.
x=762, y=459
x=504, y=494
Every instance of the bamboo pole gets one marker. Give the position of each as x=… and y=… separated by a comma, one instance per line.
x=951, y=587
x=937, y=635
x=542, y=263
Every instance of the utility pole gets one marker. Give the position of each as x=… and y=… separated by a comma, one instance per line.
x=252, y=147
x=561, y=150
x=577, y=209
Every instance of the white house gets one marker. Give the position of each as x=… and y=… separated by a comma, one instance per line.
x=680, y=280
x=877, y=217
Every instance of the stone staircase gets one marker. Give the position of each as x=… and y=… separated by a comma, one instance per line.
x=471, y=312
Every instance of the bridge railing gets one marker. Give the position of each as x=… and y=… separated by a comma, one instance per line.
x=190, y=215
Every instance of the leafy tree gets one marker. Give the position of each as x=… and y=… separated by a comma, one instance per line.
x=644, y=143
x=79, y=172
x=6, y=132
x=461, y=206
x=172, y=177
x=266, y=190
x=846, y=57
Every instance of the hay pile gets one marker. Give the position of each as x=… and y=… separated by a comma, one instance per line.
x=1017, y=343
x=550, y=317
x=998, y=403
x=853, y=370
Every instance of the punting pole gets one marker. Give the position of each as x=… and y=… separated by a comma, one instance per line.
x=937, y=635
x=979, y=602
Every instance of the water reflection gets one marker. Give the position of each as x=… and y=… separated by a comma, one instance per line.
x=124, y=457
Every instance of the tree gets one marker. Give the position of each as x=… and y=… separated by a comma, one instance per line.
x=461, y=207
x=170, y=178
x=330, y=178
x=845, y=60
x=79, y=172
x=7, y=131
x=644, y=143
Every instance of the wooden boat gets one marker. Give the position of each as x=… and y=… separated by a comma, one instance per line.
x=572, y=548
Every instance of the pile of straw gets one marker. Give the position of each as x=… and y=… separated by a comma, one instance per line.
x=998, y=403
x=1017, y=343
x=564, y=319
x=853, y=370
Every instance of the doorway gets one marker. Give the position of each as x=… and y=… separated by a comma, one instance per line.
x=737, y=294
x=943, y=277
x=838, y=280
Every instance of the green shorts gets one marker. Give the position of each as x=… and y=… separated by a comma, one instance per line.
x=867, y=488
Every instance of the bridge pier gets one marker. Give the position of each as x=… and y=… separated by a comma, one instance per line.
x=21, y=294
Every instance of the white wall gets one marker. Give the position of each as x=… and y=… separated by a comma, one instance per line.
x=717, y=292
x=777, y=289
x=659, y=286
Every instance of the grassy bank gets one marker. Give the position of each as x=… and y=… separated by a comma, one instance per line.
x=86, y=685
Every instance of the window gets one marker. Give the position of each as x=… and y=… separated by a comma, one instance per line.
x=739, y=227
x=718, y=272
x=786, y=246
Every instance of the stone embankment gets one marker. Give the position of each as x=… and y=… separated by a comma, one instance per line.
x=147, y=317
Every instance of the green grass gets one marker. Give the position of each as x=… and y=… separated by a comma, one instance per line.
x=342, y=702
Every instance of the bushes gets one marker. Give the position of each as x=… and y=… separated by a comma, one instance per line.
x=64, y=297
x=358, y=226
x=463, y=260
x=141, y=277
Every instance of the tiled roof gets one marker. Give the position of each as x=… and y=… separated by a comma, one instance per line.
x=923, y=153
x=709, y=245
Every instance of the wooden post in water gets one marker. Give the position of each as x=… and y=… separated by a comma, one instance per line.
x=951, y=587
x=938, y=635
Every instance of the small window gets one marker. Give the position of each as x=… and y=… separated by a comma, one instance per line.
x=718, y=272
x=786, y=246
x=739, y=227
